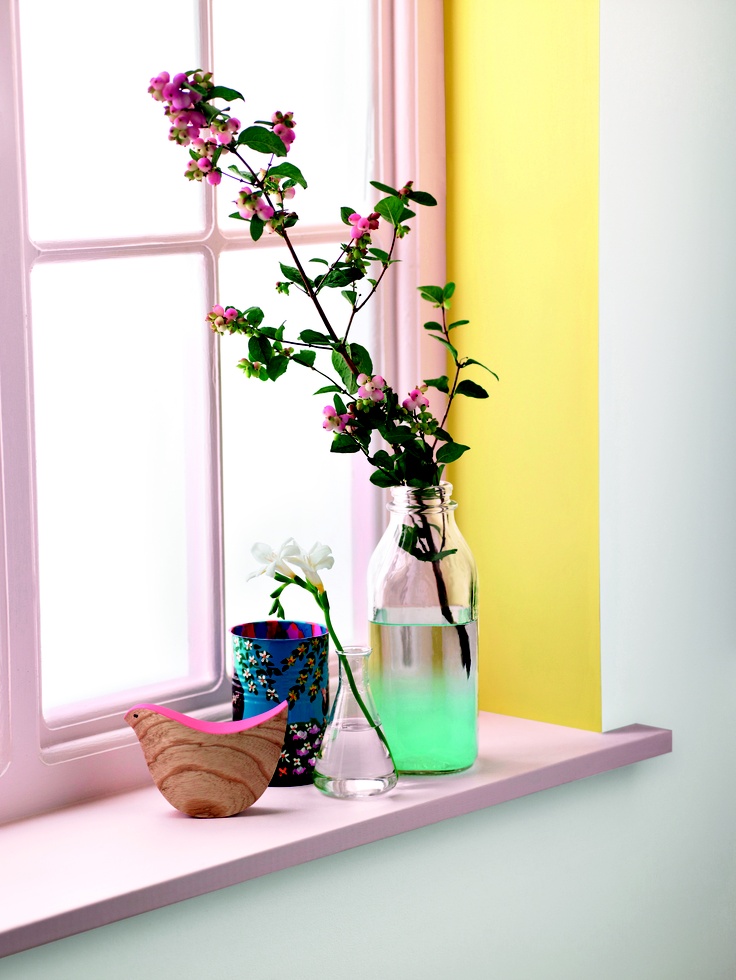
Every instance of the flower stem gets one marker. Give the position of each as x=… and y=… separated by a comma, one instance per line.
x=325, y=606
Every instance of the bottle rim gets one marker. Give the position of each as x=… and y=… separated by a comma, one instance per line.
x=355, y=651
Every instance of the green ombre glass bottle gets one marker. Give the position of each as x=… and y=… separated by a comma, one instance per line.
x=424, y=633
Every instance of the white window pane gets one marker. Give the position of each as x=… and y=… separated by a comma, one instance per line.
x=113, y=172
x=280, y=479
x=121, y=383
x=315, y=60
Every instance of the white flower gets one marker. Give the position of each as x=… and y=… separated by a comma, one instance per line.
x=319, y=556
x=274, y=562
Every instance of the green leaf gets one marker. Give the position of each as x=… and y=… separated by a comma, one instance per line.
x=259, y=349
x=341, y=277
x=292, y=274
x=433, y=294
x=315, y=338
x=441, y=384
x=288, y=170
x=254, y=315
x=256, y=228
x=305, y=357
x=327, y=390
x=458, y=323
x=223, y=92
x=448, y=290
x=434, y=555
x=361, y=359
x=321, y=261
x=450, y=452
x=422, y=197
x=343, y=369
x=383, y=480
x=350, y=295
x=471, y=389
x=447, y=344
x=470, y=360
x=408, y=537
x=379, y=254
x=391, y=208
x=406, y=214
x=397, y=436
x=345, y=215
x=343, y=443
x=381, y=458
x=339, y=405
x=277, y=366
x=238, y=217
x=433, y=325
x=385, y=188
x=262, y=141
x=442, y=435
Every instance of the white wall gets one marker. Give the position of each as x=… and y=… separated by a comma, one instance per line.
x=630, y=875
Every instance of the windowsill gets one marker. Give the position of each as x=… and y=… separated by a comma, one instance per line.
x=91, y=864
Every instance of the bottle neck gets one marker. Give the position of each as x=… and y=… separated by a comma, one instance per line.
x=355, y=659
x=425, y=500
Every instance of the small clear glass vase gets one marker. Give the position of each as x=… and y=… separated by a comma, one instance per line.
x=355, y=760
x=424, y=633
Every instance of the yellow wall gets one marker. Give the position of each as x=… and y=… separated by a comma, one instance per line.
x=522, y=131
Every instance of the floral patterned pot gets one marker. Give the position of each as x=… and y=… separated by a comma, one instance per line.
x=277, y=661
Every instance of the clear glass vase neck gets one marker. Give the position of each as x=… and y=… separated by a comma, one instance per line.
x=422, y=500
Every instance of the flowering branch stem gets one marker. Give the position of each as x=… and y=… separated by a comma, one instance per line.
x=311, y=367
x=359, y=306
x=454, y=383
x=462, y=630
x=305, y=278
x=311, y=293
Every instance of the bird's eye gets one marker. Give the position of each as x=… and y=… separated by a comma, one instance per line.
x=135, y=715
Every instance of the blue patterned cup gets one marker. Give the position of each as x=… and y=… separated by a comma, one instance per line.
x=281, y=660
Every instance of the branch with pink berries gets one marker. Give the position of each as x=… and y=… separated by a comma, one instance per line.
x=363, y=405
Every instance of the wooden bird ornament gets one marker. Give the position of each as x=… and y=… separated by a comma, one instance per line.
x=209, y=768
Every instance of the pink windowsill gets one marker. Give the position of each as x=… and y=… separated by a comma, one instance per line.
x=95, y=863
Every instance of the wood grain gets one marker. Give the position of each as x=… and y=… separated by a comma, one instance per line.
x=208, y=775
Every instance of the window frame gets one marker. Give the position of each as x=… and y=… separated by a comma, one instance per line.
x=102, y=756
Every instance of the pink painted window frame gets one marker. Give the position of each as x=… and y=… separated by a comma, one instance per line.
x=96, y=754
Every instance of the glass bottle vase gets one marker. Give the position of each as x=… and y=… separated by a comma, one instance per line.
x=354, y=760
x=424, y=633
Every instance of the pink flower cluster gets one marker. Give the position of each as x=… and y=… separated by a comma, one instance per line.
x=363, y=226
x=250, y=202
x=189, y=124
x=201, y=166
x=220, y=318
x=334, y=422
x=179, y=102
x=224, y=130
x=165, y=89
x=416, y=399
x=371, y=388
x=284, y=127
